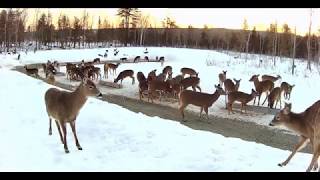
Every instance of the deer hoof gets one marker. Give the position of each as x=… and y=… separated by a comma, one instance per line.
x=79, y=148
x=66, y=150
x=280, y=164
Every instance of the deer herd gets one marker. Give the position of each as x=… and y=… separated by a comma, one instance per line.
x=64, y=106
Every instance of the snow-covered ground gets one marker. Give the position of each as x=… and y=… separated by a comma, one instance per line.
x=116, y=139
x=208, y=63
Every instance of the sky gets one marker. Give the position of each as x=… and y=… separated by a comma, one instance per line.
x=213, y=17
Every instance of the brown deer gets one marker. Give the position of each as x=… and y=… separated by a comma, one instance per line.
x=189, y=71
x=51, y=79
x=110, y=67
x=190, y=81
x=286, y=88
x=222, y=77
x=274, y=96
x=166, y=70
x=96, y=61
x=156, y=85
x=271, y=78
x=97, y=72
x=261, y=86
x=241, y=97
x=229, y=86
x=32, y=71
x=124, y=74
x=143, y=84
x=306, y=125
x=64, y=107
x=152, y=75
x=203, y=100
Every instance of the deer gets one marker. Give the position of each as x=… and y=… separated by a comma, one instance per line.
x=202, y=100
x=167, y=70
x=32, y=71
x=96, y=61
x=97, y=72
x=50, y=78
x=161, y=77
x=274, y=96
x=229, y=86
x=190, y=81
x=286, y=88
x=124, y=74
x=241, y=97
x=152, y=75
x=306, y=125
x=156, y=85
x=64, y=107
x=261, y=86
x=222, y=77
x=143, y=84
x=271, y=78
x=109, y=66
x=189, y=71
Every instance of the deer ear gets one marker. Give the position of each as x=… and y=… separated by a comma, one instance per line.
x=287, y=108
x=85, y=80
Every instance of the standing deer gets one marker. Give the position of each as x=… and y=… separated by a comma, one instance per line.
x=306, y=124
x=229, y=86
x=143, y=84
x=242, y=97
x=190, y=81
x=32, y=71
x=124, y=74
x=64, y=107
x=274, y=96
x=222, y=77
x=261, y=86
x=286, y=88
x=203, y=100
x=110, y=67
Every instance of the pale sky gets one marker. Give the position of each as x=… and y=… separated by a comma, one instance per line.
x=213, y=17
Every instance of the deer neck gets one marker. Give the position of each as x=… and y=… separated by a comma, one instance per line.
x=250, y=97
x=256, y=82
x=78, y=97
x=214, y=96
x=298, y=123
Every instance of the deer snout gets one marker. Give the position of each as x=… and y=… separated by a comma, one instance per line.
x=99, y=95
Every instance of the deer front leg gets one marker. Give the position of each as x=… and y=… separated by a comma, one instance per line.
x=301, y=144
x=73, y=127
x=201, y=109
x=50, y=129
x=64, y=130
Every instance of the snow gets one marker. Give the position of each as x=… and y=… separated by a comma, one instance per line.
x=116, y=139
x=208, y=63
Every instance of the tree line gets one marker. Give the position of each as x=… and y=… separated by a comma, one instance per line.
x=136, y=29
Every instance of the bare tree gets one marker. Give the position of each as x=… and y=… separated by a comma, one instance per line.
x=309, y=42
x=294, y=50
x=143, y=23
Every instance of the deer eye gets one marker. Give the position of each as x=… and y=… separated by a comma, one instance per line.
x=90, y=87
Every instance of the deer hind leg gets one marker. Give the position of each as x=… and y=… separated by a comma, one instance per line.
x=64, y=130
x=73, y=127
x=50, y=128
x=265, y=98
x=181, y=109
x=59, y=130
x=206, y=110
x=301, y=144
x=314, y=158
x=201, y=109
x=194, y=89
x=198, y=88
x=132, y=79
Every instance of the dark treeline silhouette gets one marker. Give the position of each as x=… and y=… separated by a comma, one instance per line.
x=136, y=30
